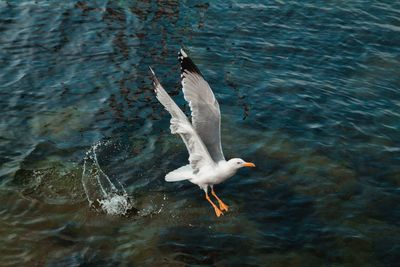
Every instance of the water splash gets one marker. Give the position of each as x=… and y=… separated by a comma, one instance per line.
x=103, y=195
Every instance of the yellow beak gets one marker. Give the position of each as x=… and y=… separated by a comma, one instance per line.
x=249, y=164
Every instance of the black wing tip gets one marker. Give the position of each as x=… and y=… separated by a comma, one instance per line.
x=187, y=64
x=154, y=79
x=152, y=71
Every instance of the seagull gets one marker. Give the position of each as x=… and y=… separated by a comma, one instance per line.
x=202, y=136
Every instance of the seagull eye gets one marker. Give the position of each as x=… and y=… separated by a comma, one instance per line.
x=238, y=162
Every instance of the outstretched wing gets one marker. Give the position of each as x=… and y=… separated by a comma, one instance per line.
x=206, y=116
x=198, y=154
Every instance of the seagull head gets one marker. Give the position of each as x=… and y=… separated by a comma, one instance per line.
x=237, y=163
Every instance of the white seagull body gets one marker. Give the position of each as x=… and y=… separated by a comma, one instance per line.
x=202, y=136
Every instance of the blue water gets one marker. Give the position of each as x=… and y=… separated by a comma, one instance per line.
x=309, y=92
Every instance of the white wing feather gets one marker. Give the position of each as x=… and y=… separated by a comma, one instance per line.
x=206, y=115
x=198, y=154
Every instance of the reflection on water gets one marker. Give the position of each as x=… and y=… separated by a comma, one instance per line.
x=308, y=91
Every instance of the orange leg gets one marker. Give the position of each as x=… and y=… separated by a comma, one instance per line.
x=218, y=212
x=221, y=204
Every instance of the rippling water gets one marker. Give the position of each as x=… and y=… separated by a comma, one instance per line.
x=309, y=91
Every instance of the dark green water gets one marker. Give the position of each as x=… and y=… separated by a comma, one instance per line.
x=309, y=92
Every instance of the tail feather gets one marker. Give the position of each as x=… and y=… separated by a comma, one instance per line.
x=180, y=174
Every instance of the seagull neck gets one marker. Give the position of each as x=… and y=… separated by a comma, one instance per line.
x=226, y=167
x=222, y=163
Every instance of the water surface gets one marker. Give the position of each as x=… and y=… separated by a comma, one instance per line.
x=309, y=91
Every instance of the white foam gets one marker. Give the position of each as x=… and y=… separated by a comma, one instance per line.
x=115, y=205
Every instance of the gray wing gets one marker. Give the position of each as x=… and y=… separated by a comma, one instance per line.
x=206, y=116
x=198, y=154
